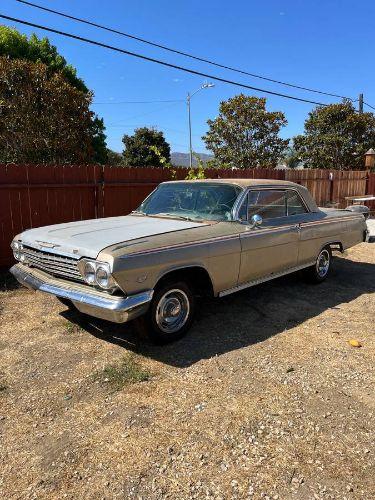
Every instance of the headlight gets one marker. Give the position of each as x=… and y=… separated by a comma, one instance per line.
x=102, y=276
x=23, y=257
x=89, y=272
x=17, y=249
x=97, y=273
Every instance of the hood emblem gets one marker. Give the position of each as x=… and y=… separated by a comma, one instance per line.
x=46, y=244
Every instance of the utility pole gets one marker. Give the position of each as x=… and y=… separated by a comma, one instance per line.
x=190, y=145
x=360, y=103
x=188, y=99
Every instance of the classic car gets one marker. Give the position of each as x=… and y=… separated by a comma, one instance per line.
x=187, y=238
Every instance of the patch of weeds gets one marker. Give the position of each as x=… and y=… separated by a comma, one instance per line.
x=126, y=371
x=3, y=387
x=72, y=328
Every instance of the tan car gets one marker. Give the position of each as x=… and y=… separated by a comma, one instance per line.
x=187, y=238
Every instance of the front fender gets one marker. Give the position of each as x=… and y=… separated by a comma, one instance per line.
x=141, y=271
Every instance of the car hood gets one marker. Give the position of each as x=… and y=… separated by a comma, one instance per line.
x=87, y=238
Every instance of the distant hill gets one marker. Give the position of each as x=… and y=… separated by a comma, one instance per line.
x=182, y=159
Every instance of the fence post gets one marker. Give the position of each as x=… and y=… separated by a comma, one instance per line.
x=99, y=192
x=330, y=187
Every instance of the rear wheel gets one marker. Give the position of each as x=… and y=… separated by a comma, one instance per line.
x=171, y=312
x=320, y=270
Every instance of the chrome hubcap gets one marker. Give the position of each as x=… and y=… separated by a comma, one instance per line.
x=172, y=311
x=322, y=263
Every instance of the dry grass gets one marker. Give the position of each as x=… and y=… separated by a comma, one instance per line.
x=265, y=398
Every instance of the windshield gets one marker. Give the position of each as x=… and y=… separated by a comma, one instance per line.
x=190, y=200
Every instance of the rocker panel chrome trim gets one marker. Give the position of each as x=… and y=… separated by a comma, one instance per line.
x=258, y=281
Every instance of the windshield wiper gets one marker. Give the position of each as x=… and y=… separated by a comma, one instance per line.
x=182, y=217
x=138, y=212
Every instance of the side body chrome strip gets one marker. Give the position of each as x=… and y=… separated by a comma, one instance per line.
x=258, y=281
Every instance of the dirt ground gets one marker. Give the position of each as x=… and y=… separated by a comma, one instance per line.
x=265, y=398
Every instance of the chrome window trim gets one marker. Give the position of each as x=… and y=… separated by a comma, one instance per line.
x=237, y=205
x=302, y=200
x=242, y=189
x=239, y=202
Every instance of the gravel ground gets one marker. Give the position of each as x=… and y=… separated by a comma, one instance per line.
x=265, y=398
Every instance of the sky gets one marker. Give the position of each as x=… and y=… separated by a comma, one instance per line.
x=322, y=44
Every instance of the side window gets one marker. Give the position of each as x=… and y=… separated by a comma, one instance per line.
x=295, y=205
x=268, y=203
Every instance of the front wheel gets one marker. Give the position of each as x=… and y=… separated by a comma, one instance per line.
x=171, y=312
x=320, y=270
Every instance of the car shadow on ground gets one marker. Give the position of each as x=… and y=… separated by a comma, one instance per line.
x=7, y=281
x=244, y=318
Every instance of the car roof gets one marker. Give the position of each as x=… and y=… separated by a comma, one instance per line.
x=244, y=182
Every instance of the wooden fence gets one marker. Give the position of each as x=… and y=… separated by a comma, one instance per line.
x=34, y=195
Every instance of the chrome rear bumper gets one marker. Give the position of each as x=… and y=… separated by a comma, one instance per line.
x=88, y=301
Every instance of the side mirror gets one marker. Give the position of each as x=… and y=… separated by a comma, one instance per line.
x=256, y=220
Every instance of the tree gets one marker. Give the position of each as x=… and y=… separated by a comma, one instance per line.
x=17, y=46
x=139, y=148
x=336, y=137
x=245, y=134
x=14, y=45
x=100, y=151
x=291, y=158
x=43, y=119
x=114, y=159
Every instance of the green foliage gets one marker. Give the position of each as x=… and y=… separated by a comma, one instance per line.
x=336, y=137
x=163, y=161
x=291, y=158
x=245, y=135
x=127, y=371
x=139, y=149
x=114, y=159
x=99, y=146
x=43, y=119
x=17, y=46
x=198, y=171
x=14, y=45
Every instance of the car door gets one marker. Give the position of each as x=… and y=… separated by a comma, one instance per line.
x=272, y=247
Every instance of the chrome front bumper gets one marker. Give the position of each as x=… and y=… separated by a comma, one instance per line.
x=86, y=300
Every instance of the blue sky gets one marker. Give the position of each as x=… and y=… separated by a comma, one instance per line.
x=326, y=44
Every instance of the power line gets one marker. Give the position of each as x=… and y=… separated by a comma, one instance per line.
x=369, y=105
x=139, y=102
x=158, y=61
x=175, y=51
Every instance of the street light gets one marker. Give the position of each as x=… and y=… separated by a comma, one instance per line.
x=189, y=96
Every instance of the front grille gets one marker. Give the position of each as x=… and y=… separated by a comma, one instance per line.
x=57, y=265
